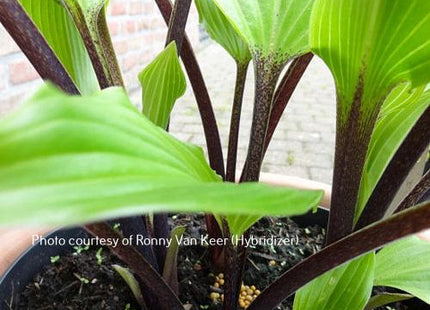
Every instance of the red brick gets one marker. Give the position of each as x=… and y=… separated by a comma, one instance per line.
x=130, y=61
x=8, y=46
x=121, y=46
x=135, y=43
x=118, y=7
x=156, y=22
x=11, y=103
x=141, y=25
x=114, y=28
x=146, y=57
x=136, y=8
x=130, y=26
x=145, y=23
x=148, y=37
x=21, y=72
x=3, y=76
x=5, y=109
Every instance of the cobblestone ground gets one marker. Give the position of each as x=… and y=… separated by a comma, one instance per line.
x=303, y=145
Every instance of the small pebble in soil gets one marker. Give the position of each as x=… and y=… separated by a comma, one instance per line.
x=246, y=296
x=265, y=263
x=83, y=280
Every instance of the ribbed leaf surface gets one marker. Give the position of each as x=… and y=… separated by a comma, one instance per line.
x=68, y=160
x=163, y=82
x=405, y=265
x=346, y=287
x=54, y=22
x=371, y=46
x=278, y=29
x=221, y=30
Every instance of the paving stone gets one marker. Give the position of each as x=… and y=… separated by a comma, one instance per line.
x=301, y=172
x=310, y=136
x=310, y=159
x=321, y=175
x=318, y=148
x=316, y=127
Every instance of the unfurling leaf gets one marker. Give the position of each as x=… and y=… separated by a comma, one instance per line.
x=170, y=269
x=132, y=283
x=163, y=82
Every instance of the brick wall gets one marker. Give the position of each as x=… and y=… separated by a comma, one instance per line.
x=138, y=32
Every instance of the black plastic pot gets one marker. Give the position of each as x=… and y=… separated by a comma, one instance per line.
x=319, y=218
x=31, y=263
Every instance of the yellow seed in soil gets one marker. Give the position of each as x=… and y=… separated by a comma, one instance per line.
x=216, y=284
x=222, y=297
x=253, y=287
x=243, y=293
x=221, y=276
x=221, y=281
x=217, y=278
x=249, y=291
x=257, y=292
x=272, y=263
x=242, y=304
x=242, y=288
x=214, y=296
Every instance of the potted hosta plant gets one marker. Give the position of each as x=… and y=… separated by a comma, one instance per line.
x=79, y=153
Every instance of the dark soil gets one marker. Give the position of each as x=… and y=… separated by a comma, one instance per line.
x=79, y=281
x=194, y=269
x=63, y=284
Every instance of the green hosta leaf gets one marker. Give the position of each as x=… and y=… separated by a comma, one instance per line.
x=346, y=287
x=170, y=268
x=405, y=265
x=275, y=29
x=54, y=22
x=220, y=29
x=399, y=114
x=371, y=46
x=68, y=160
x=131, y=281
x=163, y=82
x=384, y=299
